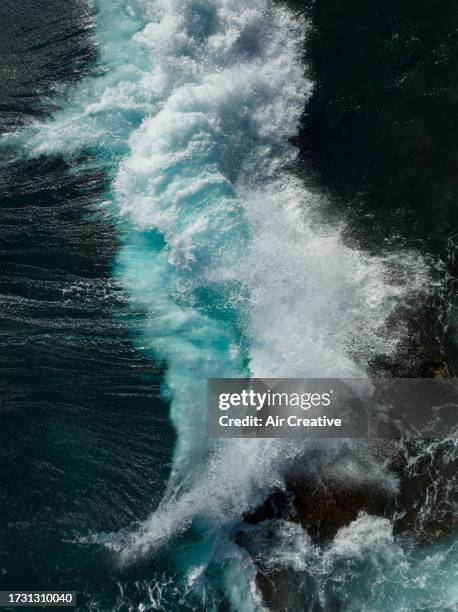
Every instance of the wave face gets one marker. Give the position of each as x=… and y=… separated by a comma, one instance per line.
x=222, y=245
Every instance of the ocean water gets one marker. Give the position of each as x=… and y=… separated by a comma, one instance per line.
x=182, y=234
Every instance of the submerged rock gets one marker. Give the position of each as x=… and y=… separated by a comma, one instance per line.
x=322, y=508
x=428, y=489
x=422, y=505
x=421, y=508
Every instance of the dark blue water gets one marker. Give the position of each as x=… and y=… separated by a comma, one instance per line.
x=85, y=441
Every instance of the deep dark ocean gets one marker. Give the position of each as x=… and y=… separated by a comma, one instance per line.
x=87, y=445
x=85, y=438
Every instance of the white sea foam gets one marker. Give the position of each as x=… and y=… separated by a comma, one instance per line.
x=209, y=169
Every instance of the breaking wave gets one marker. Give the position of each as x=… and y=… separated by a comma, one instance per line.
x=223, y=246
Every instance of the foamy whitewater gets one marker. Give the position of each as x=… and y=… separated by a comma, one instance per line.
x=228, y=254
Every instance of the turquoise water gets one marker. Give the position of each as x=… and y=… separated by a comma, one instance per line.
x=230, y=256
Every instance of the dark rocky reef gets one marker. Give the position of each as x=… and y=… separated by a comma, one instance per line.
x=422, y=508
x=321, y=508
x=422, y=499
